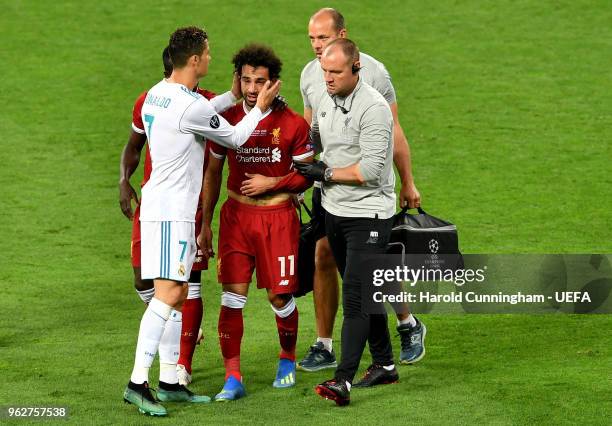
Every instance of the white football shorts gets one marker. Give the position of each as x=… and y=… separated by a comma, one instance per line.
x=168, y=250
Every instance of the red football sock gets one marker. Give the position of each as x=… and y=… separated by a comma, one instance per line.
x=231, y=328
x=192, y=319
x=287, y=334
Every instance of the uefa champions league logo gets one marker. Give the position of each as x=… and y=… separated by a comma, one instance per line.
x=433, y=246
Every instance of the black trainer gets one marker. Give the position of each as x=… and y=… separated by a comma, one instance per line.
x=336, y=390
x=318, y=358
x=377, y=375
x=412, y=341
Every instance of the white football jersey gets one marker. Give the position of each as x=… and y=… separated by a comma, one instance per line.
x=177, y=121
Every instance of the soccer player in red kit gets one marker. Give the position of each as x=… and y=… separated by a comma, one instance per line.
x=259, y=228
x=192, y=307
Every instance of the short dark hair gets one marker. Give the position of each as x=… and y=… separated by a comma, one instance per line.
x=186, y=42
x=336, y=16
x=348, y=47
x=167, y=62
x=258, y=55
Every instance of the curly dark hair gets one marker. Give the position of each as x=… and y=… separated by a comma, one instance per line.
x=258, y=55
x=186, y=42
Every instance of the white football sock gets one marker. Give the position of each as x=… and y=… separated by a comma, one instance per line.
x=286, y=310
x=327, y=343
x=151, y=329
x=169, y=347
x=233, y=300
x=193, y=291
x=410, y=320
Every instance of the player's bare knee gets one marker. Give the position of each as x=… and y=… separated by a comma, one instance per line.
x=279, y=301
x=183, y=295
x=172, y=293
x=283, y=305
x=240, y=289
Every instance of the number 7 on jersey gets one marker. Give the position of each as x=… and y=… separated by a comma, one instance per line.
x=149, y=120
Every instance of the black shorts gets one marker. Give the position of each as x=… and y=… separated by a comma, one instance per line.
x=318, y=214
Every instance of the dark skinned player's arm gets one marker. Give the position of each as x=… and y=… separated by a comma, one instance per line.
x=130, y=158
x=211, y=187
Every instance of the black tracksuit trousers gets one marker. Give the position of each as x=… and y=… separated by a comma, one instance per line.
x=351, y=239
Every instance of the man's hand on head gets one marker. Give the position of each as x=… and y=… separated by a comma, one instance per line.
x=236, y=91
x=267, y=95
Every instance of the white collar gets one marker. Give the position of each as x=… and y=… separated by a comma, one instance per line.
x=264, y=115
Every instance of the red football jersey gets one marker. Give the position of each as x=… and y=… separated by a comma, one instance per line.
x=280, y=138
x=138, y=127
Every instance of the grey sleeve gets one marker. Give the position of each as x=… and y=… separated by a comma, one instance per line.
x=384, y=85
x=315, y=136
x=304, y=90
x=375, y=139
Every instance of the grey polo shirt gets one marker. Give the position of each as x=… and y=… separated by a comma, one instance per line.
x=363, y=135
x=372, y=72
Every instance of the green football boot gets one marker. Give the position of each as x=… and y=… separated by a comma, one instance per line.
x=141, y=397
x=179, y=393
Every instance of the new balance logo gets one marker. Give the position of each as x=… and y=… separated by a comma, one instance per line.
x=283, y=282
x=373, y=237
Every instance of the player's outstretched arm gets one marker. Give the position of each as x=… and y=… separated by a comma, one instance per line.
x=211, y=187
x=130, y=158
x=200, y=118
x=226, y=100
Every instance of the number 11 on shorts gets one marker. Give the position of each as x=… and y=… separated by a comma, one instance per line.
x=283, y=263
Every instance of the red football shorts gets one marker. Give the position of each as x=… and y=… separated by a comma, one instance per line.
x=200, y=264
x=264, y=238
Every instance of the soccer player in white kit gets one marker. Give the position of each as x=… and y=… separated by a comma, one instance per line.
x=176, y=122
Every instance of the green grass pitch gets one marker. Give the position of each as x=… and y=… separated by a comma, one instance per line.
x=507, y=108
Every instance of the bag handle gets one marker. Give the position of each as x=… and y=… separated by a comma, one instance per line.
x=300, y=205
x=406, y=208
